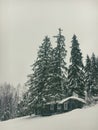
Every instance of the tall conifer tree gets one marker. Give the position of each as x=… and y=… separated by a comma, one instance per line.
x=75, y=72
x=88, y=79
x=94, y=77
x=39, y=79
x=59, y=68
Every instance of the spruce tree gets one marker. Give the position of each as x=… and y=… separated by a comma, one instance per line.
x=94, y=77
x=88, y=73
x=88, y=79
x=59, y=69
x=22, y=108
x=75, y=72
x=97, y=71
x=39, y=79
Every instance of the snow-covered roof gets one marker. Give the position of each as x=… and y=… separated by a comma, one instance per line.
x=72, y=97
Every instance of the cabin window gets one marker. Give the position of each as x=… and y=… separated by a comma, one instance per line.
x=66, y=106
x=59, y=106
x=52, y=107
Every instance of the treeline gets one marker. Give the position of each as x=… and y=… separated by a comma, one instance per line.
x=10, y=98
x=51, y=80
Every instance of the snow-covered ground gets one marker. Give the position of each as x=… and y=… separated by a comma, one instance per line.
x=79, y=119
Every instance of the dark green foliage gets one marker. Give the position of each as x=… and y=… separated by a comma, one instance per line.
x=47, y=83
x=22, y=108
x=39, y=79
x=97, y=71
x=50, y=81
x=88, y=74
x=59, y=70
x=88, y=80
x=6, y=115
x=0, y=108
x=94, y=76
x=91, y=77
x=75, y=72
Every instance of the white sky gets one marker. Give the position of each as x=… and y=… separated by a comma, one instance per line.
x=24, y=23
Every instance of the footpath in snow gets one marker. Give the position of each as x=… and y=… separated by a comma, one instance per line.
x=79, y=119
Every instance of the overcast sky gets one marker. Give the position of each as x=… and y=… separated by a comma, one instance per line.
x=24, y=23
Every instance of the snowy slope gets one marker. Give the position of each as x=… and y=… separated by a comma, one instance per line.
x=79, y=119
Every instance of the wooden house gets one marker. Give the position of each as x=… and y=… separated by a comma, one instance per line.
x=70, y=103
x=64, y=105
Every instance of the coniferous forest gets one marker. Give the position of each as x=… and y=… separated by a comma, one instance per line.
x=52, y=79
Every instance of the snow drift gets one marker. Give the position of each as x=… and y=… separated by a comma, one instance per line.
x=79, y=119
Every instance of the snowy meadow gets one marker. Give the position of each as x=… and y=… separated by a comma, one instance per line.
x=79, y=119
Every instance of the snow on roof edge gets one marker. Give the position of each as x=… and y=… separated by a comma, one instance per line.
x=72, y=97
